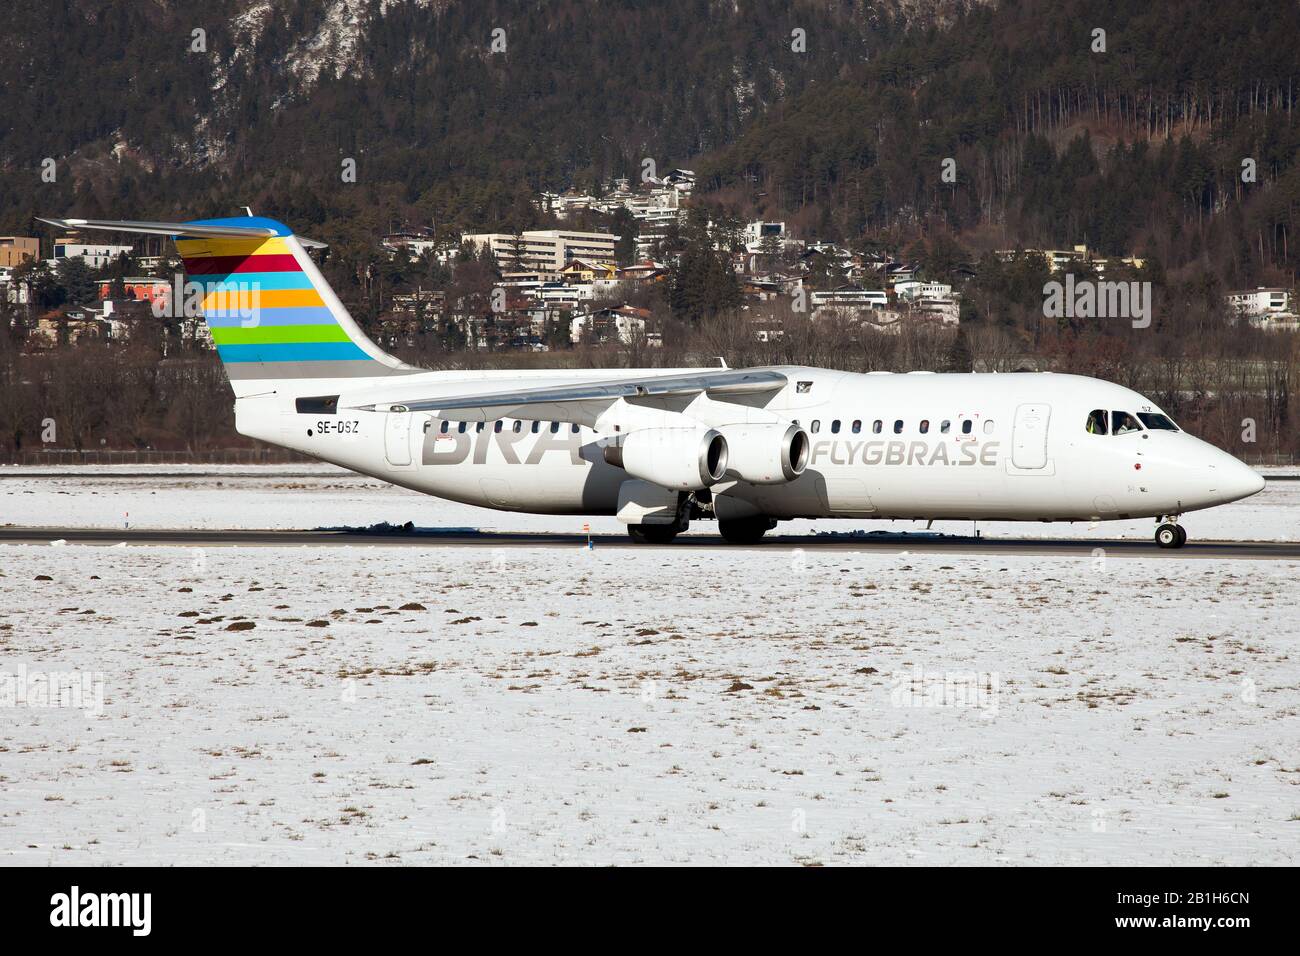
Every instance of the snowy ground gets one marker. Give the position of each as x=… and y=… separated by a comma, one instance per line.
x=310, y=496
x=625, y=706
x=523, y=705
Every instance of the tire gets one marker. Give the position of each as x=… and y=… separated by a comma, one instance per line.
x=652, y=533
x=744, y=530
x=1168, y=536
x=1182, y=536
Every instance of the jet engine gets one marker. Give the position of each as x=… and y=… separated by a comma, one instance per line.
x=687, y=459
x=766, y=454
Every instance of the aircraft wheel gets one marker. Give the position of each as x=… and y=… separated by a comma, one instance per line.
x=744, y=530
x=1170, y=536
x=652, y=533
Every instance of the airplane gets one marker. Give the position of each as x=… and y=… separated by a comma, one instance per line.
x=660, y=448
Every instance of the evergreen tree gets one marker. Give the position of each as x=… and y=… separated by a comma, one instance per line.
x=76, y=280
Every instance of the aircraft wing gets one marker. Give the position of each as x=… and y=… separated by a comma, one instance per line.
x=571, y=402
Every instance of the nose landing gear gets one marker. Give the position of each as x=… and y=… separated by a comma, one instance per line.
x=1170, y=534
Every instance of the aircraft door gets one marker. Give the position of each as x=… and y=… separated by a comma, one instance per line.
x=397, y=438
x=1029, y=436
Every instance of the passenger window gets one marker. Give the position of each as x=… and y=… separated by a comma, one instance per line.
x=518, y=426
x=461, y=427
x=925, y=425
x=898, y=426
x=536, y=427
x=1157, y=422
x=816, y=426
x=857, y=425
x=575, y=429
x=835, y=427
x=877, y=426
x=988, y=426
x=966, y=427
x=445, y=426
x=944, y=426
x=1122, y=423
x=496, y=427
x=555, y=427
x=1096, y=422
x=478, y=427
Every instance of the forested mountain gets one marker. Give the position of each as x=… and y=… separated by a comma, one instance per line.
x=1137, y=148
x=441, y=127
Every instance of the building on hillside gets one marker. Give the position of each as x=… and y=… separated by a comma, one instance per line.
x=624, y=324
x=791, y=283
x=896, y=272
x=757, y=231
x=64, y=328
x=913, y=289
x=416, y=242
x=1063, y=260
x=846, y=302
x=1255, y=303
x=12, y=291
x=420, y=303
x=762, y=288
x=945, y=308
x=152, y=264
x=140, y=288
x=14, y=250
x=766, y=327
x=649, y=241
x=97, y=255
x=682, y=180
x=557, y=293
x=579, y=270
x=544, y=249
x=647, y=270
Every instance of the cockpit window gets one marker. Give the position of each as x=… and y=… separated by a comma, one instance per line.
x=1157, y=422
x=1097, y=422
x=1122, y=423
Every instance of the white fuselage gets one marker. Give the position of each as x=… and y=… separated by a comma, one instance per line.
x=919, y=445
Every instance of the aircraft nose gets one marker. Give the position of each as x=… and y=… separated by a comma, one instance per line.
x=1234, y=480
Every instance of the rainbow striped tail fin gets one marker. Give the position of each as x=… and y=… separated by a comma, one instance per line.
x=272, y=315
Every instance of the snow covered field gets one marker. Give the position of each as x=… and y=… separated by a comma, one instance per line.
x=522, y=705
x=278, y=496
x=626, y=706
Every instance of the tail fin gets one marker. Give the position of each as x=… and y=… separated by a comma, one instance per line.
x=273, y=317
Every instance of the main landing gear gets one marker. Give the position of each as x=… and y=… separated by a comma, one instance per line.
x=745, y=530
x=1170, y=534
x=664, y=533
x=652, y=533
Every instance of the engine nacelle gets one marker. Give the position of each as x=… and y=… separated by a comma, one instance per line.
x=766, y=454
x=687, y=459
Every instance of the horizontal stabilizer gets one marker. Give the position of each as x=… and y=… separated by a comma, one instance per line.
x=212, y=229
x=165, y=228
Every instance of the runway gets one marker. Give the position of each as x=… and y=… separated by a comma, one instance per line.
x=920, y=543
